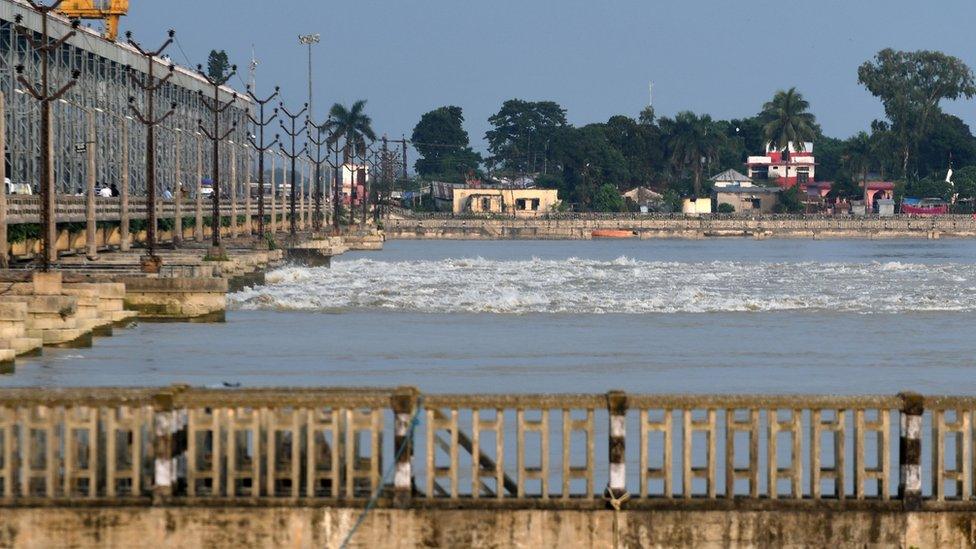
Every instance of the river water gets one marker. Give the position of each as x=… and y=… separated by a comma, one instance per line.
x=782, y=316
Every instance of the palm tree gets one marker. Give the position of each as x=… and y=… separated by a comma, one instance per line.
x=351, y=124
x=355, y=127
x=857, y=157
x=786, y=121
x=694, y=142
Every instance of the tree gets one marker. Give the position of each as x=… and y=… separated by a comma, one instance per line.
x=911, y=86
x=949, y=138
x=442, y=142
x=694, y=142
x=351, y=124
x=522, y=132
x=786, y=122
x=857, y=159
x=218, y=65
x=607, y=199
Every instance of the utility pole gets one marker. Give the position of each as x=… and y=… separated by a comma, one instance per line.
x=318, y=141
x=260, y=123
x=216, y=107
x=293, y=132
x=333, y=142
x=150, y=85
x=309, y=40
x=45, y=48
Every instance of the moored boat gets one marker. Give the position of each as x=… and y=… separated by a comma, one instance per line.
x=613, y=233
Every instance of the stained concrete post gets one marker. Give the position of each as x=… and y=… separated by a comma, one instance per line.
x=125, y=240
x=274, y=191
x=198, y=225
x=616, y=491
x=4, y=245
x=178, y=192
x=91, y=248
x=169, y=442
x=910, y=450
x=247, y=191
x=403, y=402
x=233, y=189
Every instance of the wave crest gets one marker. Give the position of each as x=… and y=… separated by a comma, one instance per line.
x=622, y=285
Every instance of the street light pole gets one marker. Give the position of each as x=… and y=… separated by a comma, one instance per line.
x=46, y=47
x=260, y=123
x=150, y=85
x=293, y=132
x=309, y=40
x=216, y=108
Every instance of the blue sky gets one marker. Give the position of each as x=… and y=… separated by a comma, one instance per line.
x=594, y=58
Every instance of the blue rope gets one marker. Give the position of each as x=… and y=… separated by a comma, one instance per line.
x=371, y=504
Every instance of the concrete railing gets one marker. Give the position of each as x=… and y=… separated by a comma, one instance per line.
x=400, y=446
x=72, y=209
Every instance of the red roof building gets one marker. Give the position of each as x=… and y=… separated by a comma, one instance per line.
x=786, y=168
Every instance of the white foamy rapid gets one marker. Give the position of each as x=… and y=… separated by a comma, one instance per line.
x=620, y=286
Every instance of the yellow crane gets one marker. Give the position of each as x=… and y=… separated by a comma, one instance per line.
x=108, y=11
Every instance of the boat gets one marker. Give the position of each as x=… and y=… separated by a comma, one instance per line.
x=613, y=233
x=925, y=206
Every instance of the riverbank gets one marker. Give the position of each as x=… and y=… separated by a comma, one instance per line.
x=685, y=227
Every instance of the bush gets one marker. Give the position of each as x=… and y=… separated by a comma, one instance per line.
x=725, y=208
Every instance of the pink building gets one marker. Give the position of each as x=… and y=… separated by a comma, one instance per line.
x=787, y=169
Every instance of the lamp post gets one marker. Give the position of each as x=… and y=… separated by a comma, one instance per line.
x=309, y=40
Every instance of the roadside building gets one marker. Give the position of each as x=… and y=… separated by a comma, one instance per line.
x=796, y=166
x=696, y=206
x=443, y=193
x=353, y=186
x=750, y=199
x=730, y=178
x=645, y=198
x=517, y=202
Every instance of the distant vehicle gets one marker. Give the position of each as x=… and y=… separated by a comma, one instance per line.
x=206, y=188
x=17, y=188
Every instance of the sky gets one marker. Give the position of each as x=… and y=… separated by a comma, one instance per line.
x=595, y=58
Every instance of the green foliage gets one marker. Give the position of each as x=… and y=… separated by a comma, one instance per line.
x=607, y=199
x=911, y=86
x=521, y=133
x=789, y=201
x=218, y=65
x=137, y=225
x=725, y=208
x=694, y=142
x=928, y=187
x=23, y=232
x=787, y=124
x=442, y=142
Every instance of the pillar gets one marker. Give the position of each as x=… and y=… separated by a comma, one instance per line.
x=91, y=248
x=233, y=189
x=125, y=241
x=274, y=191
x=910, y=451
x=4, y=245
x=178, y=192
x=198, y=222
x=248, y=228
x=403, y=402
x=616, y=492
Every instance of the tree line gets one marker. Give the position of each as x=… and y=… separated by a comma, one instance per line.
x=913, y=144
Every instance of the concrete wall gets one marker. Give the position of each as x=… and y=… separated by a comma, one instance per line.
x=316, y=527
x=684, y=227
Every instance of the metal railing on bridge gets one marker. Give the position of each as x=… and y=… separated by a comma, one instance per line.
x=152, y=445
